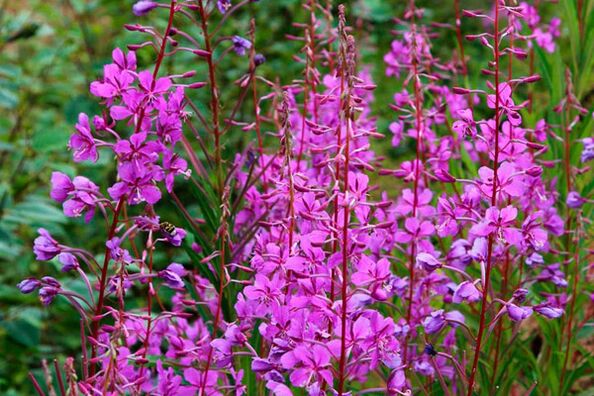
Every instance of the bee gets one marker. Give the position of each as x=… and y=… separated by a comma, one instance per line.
x=430, y=350
x=168, y=228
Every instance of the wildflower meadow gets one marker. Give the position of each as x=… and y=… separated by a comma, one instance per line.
x=301, y=197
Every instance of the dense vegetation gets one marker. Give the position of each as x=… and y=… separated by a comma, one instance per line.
x=187, y=215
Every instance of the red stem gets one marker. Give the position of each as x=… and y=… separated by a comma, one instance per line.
x=459, y=37
x=214, y=94
x=345, y=253
x=418, y=160
x=217, y=314
x=481, y=330
x=102, y=281
x=569, y=327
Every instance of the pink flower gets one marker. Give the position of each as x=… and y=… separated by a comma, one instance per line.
x=508, y=183
x=501, y=223
x=83, y=142
x=308, y=364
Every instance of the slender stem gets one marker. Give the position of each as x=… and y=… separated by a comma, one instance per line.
x=36, y=384
x=59, y=377
x=345, y=244
x=102, y=282
x=218, y=312
x=417, y=169
x=569, y=328
x=479, y=337
x=459, y=37
x=214, y=94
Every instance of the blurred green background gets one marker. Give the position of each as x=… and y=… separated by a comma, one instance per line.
x=49, y=53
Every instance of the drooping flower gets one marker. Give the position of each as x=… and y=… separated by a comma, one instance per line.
x=45, y=247
x=143, y=7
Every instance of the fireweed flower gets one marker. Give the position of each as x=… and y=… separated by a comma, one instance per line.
x=241, y=45
x=141, y=8
x=28, y=285
x=321, y=258
x=588, y=151
x=45, y=247
x=83, y=142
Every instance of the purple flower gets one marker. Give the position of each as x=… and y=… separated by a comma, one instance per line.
x=575, y=200
x=308, y=363
x=434, y=322
x=508, y=184
x=172, y=279
x=552, y=273
x=223, y=5
x=374, y=274
x=396, y=382
x=422, y=203
x=78, y=196
x=520, y=295
x=175, y=237
x=544, y=40
x=240, y=45
x=414, y=229
x=173, y=165
x=466, y=291
x=124, y=62
x=83, y=142
x=588, y=151
x=138, y=184
x=143, y=7
x=465, y=126
x=500, y=223
x=534, y=259
x=61, y=186
x=28, y=285
x=50, y=288
x=517, y=313
x=44, y=246
x=548, y=310
x=116, y=251
x=259, y=59
x=69, y=262
x=428, y=262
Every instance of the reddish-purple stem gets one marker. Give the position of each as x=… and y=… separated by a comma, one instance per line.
x=482, y=322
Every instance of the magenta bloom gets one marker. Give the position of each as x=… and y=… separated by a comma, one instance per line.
x=414, y=229
x=78, y=196
x=508, y=183
x=83, y=142
x=45, y=247
x=517, y=313
x=138, y=184
x=501, y=223
x=428, y=262
x=308, y=364
x=465, y=126
x=173, y=165
x=374, y=274
x=115, y=82
x=466, y=291
x=406, y=203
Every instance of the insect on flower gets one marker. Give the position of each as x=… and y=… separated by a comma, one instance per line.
x=168, y=228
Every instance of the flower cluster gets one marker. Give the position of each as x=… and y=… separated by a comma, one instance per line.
x=296, y=272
